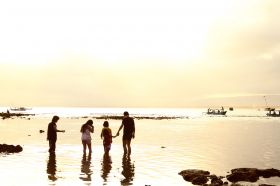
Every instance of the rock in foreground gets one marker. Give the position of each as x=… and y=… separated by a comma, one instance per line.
x=251, y=174
x=10, y=148
x=201, y=177
x=197, y=177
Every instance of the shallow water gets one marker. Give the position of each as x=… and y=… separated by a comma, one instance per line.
x=161, y=149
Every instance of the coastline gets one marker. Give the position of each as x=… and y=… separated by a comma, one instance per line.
x=161, y=149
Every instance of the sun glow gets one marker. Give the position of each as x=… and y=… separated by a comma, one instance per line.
x=110, y=32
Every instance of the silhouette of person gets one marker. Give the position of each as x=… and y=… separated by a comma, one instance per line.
x=52, y=133
x=86, y=129
x=106, y=166
x=128, y=132
x=106, y=135
x=51, y=167
x=85, y=167
x=128, y=170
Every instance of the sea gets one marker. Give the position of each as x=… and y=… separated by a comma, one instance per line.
x=167, y=141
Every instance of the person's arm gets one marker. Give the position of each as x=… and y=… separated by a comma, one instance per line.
x=118, y=133
x=133, y=129
x=55, y=128
x=91, y=129
x=101, y=135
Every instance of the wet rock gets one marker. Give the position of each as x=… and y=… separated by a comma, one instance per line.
x=267, y=173
x=251, y=174
x=6, y=115
x=200, y=180
x=197, y=177
x=200, y=177
x=215, y=180
x=243, y=174
x=10, y=148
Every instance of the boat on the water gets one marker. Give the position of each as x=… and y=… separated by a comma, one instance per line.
x=19, y=109
x=273, y=112
x=216, y=111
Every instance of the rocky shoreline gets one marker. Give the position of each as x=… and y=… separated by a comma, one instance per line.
x=6, y=115
x=202, y=177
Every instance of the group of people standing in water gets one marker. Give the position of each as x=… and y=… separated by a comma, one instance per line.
x=127, y=125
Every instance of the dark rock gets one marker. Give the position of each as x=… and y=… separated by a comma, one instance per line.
x=6, y=115
x=251, y=174
x=243, y=174
x=10, y=148
x=41, y=131
x=197, y=177
x=200, y=180
x=267, y=173
x=216, y=181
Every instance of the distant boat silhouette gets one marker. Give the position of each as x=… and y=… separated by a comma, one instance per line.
x=19, y=109
x=216, y=111
x=273, y=112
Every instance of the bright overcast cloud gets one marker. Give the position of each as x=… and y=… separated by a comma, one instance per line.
x=139, y=54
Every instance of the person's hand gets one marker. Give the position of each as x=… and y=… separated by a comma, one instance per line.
x=63, y=131
x=117, y=134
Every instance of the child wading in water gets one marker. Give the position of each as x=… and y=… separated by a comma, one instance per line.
x=86, y=129
x=106, y=134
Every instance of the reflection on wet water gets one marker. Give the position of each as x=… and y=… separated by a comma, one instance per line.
x=106, y=166
x=128, y=170
x=86, y=168
x=234, y=142
x=51, y=167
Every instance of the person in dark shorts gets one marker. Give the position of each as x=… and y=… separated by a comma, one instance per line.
x=52, y=136
x=128, y=132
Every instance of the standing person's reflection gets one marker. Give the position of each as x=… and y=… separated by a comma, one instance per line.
x=106, y=166
x=51, y=167
x=128, y=170
x=85, y=167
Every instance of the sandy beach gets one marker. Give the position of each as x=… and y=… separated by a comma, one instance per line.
x=161, y=149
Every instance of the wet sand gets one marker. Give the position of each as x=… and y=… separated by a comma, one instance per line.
x=161, y=149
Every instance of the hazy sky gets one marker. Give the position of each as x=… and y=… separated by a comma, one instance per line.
x=139, y=54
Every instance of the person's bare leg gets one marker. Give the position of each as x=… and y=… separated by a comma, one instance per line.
x=84, y=147
x=89, y=147
x=128, y=147
x=124, y=146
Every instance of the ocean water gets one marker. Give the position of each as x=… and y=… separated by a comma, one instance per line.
x=160, y=150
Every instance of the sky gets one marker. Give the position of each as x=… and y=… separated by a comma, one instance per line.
x=182, y=53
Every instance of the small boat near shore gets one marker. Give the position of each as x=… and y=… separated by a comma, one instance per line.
x=272, y=112
x=216, y=111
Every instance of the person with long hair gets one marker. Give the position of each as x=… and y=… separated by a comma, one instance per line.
x=86, y=129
